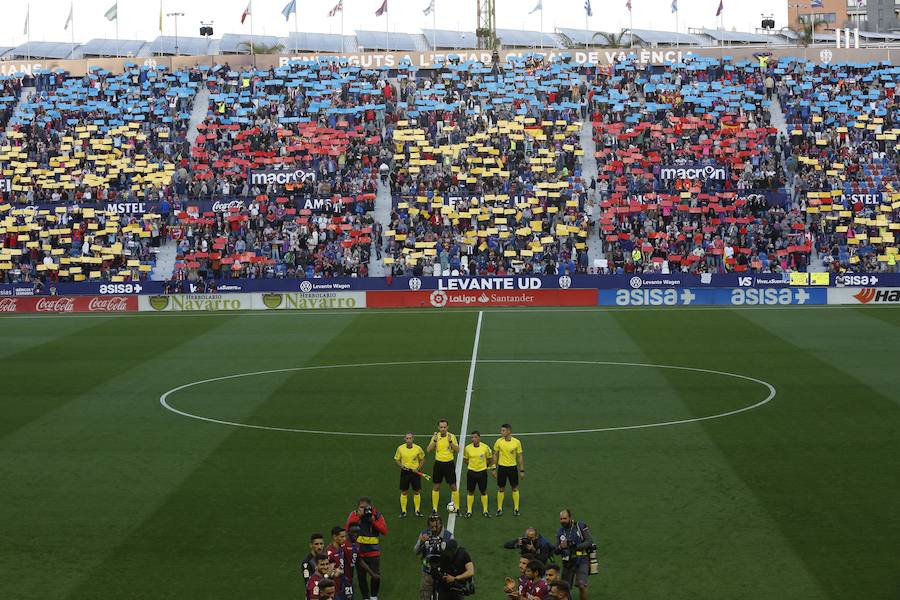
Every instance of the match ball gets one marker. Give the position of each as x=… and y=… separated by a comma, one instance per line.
x=451, y=507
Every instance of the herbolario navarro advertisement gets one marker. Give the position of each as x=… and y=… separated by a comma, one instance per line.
x=268, y=301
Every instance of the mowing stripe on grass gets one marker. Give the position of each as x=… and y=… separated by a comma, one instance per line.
x=451, y=520
x=822, y=461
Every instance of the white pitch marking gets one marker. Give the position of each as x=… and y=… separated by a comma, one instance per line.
x=164, y=398
x=451, y=520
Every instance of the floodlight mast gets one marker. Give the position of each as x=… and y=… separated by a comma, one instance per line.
x=487, y=25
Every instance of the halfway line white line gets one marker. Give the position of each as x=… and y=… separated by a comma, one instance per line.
x=451, y=520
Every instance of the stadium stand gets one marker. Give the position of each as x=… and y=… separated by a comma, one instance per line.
x=683, y=154
x=487, y=170
x=844, y=121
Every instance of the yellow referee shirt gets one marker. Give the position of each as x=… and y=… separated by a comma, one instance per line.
x=477, y=458
x=442, y=450
x=410, y=457
x=507, y=451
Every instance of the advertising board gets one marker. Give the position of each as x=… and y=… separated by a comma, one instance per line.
x=480, y=299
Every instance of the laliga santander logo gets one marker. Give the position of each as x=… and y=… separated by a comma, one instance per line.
x=565, y=282
x=305, y=286
x=113, y=304
x=826, y=55
x=438, y=298
x=8, y=304
x=55, y=305
x=636, y=282
x=415, y=284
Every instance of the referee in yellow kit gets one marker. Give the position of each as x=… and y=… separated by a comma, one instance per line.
x=444, y=445
x=477, y=457
x=507, y=455
x=410, y=457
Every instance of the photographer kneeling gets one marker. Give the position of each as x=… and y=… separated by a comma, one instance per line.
x=454, y=577
x=429, y=545
x=532, y=543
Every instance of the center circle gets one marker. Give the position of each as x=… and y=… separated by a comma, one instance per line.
x=164, y=399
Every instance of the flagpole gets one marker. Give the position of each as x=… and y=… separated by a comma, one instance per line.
x=252, y=49
x=342, y=29
x=434, y=25
x=296, y=31
x=542, y=27
x=28, y=27
x=72, y=22
x=387, y=30
x=586, y=28
x=118, y=53
x=630, y=28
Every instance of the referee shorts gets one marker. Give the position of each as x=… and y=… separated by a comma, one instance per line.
x=510, y=474
x=476, y=479
x=408, y=479
x=444, y=471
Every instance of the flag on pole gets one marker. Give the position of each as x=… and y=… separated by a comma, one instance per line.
x=69, y=19
x=381, y=9
x=27, y=20
x=246, y=13
x=816, y=4
x=587, y=8
x=429, y=9
x=721, y=8
x=290, y=7
x=537, y=7
x=674, y=6
x=160, y=16
x=339, y=7
x=113, y=13
x=628, y=5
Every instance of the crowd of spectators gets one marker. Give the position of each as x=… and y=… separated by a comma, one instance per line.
x=844, y=121
x=486, y=164
x=687, y=158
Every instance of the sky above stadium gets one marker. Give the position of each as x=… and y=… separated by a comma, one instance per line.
x=139, y=19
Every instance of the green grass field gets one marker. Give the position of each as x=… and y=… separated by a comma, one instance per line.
x=106, y=494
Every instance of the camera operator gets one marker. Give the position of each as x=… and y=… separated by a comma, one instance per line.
x=371, y=524
x=575, y=545
x=532, y=543
x=429, y=545
x=454, y=577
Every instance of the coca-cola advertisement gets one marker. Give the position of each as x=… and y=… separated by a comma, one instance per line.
x=69, y=304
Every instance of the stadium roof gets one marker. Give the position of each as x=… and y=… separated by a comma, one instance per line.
x=105, y=47
x=321, y=42
x=4, y=50
x=189, y=46
x=57, y=50
x=648, y=36
x=445, y=38
x=735, y=37
x=380, y=40
x=518, y=38
x=231, y=43
x=881, y=37
x=580, y=36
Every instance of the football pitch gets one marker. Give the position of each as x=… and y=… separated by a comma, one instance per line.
x=715, y=453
